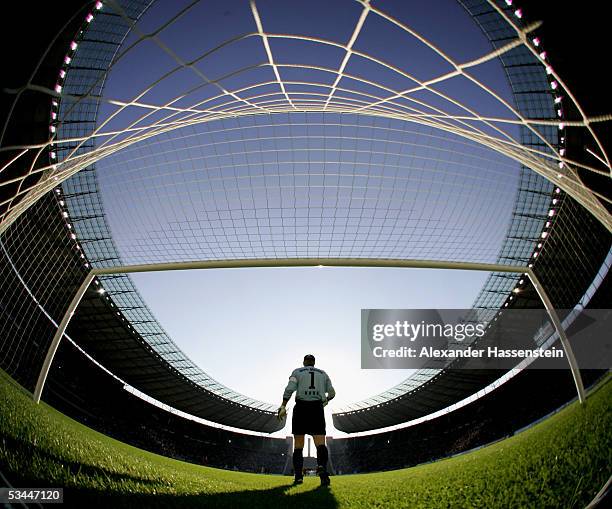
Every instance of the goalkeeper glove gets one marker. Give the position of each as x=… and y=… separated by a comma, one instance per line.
x=282, y=413
x=326, y=401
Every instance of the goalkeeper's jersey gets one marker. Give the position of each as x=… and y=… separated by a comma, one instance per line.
x=309, y=384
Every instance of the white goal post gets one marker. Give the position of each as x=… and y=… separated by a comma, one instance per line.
x=310, y=262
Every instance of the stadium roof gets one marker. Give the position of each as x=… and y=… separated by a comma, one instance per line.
x=181, y=386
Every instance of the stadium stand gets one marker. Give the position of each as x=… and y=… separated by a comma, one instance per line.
x=83, y=391
x=530, y=397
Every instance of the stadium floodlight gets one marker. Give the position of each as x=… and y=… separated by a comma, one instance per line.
x=311, y=262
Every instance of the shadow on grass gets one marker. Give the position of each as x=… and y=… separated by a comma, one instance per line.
x=76, y=469
x=279, y=497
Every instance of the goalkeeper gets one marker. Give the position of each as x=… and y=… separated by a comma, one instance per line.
x=313, y=390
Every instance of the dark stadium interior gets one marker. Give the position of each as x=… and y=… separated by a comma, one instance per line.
x=85, y=392
x=80, y=389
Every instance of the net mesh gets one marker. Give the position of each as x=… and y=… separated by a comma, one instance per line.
x=264, y=72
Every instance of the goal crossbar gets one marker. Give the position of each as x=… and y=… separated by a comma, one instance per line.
x=310, y=262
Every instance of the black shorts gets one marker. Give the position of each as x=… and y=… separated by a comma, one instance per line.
x=308, y=418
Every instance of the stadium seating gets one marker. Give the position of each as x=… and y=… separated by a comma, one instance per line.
x=86, y=393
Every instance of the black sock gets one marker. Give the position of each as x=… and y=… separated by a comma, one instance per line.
x=298, y=462
x=322, y=456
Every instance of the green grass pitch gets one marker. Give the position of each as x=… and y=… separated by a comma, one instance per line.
x=561, y=462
